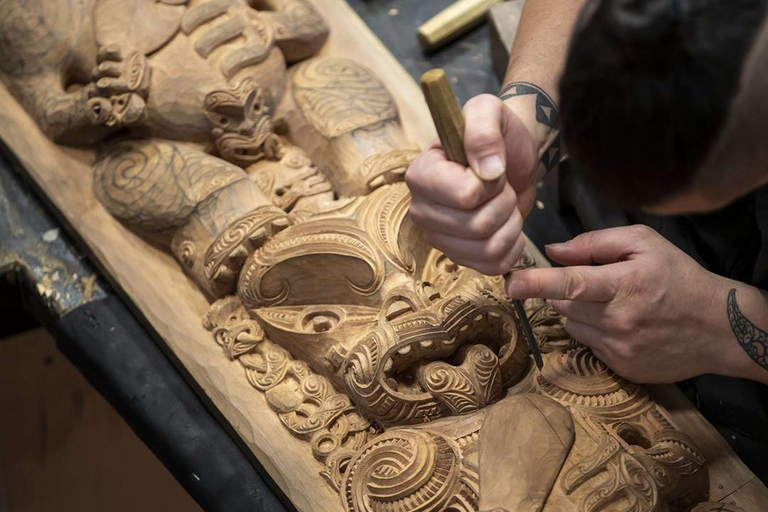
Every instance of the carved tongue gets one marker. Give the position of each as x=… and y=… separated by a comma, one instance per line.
x=524, y=442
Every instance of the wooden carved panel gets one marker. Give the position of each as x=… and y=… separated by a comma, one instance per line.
x=274, y=177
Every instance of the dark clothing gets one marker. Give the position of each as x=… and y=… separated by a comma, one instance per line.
x=733, y=243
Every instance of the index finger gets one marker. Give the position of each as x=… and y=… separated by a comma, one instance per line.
x=584, y=283
x=447, y=183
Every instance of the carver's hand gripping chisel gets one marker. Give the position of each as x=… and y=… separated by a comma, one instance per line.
x=449, y=122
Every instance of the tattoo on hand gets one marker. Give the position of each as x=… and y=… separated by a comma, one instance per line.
x=546, y=114
x=752, y=339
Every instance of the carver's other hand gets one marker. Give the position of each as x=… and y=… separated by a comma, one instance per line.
x=478, y=222
x=649, y=311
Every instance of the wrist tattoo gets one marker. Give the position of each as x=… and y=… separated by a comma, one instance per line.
x=752, y=339
x=546, y=113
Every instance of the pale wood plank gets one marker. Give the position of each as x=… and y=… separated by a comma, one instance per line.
x=173, y=307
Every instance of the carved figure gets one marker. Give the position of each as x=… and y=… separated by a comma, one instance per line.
x=278, y=189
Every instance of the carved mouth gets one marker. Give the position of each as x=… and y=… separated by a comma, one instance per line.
x=247, y=148
x=249, y=152
x=488, y=326
x=452, y=358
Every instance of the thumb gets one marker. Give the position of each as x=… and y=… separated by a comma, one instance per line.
x=602, y=246
x=483, y=137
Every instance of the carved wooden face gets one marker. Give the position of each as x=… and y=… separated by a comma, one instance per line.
x=350, y=290
x=218, y=49
x=241, y=123
x=125, y=109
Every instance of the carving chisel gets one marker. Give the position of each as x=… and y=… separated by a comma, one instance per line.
x=449, y=122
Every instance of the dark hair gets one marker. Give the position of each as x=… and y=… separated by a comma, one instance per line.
x=647, y=88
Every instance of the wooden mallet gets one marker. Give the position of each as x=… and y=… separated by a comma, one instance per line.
x=449, y=122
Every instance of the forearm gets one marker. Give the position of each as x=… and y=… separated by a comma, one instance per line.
x=537, y=58
x=541, y=43
x=743, y=310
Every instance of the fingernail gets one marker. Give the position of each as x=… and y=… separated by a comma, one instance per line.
x=516, y=289
x=555, y=246
x=491, y=167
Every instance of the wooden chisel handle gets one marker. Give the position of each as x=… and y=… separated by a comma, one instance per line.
x=446, y=113
x=449, y=121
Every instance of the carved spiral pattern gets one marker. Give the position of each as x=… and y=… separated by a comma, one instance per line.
x=156, y=186
x=130, y=182
x=403, y=470
x=576, y=377
x=186, y=253
x=626, y=479
x=340, y=95
x=453, y=386
x=307, y=404
x=465, y=388
x=386, y=167
x=259, y=223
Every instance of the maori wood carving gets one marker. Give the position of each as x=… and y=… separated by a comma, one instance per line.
x=274, y=177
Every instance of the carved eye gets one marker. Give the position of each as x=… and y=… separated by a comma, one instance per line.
x=223, y=120
x=256, y=106
x=318, y=321
x=398, y=307
x=429, y=291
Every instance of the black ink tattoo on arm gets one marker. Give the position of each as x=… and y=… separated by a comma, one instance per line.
x=752, y=339
x=546, y=114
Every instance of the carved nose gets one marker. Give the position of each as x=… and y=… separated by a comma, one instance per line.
x=246, y=128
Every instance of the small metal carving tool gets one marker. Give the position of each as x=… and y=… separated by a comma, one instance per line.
x=449, y=122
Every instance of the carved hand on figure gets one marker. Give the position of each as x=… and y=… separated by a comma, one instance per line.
x=649, y=311
x=119, y=88
x=478, y=223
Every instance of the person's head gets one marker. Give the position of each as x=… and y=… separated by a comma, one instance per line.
x=663, y=101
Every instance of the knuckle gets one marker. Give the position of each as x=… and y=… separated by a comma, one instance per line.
x=493, y=269
x=411, y=174
x=575, y=285
x=417, y=213
x=485, y=224
x=514, y=255
x=438, y=244
x=558, y=307
x=505, y=264
x=534, y=284
x=510, y=198
x=621, y=369
x=483, y=137
x=627, y=352
x=481, y=103
x=631, y=284
x=496, y=250
x=469, y=197
x=621, y=323
x=587, y=239
x=641, y=231
x=413, y=180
